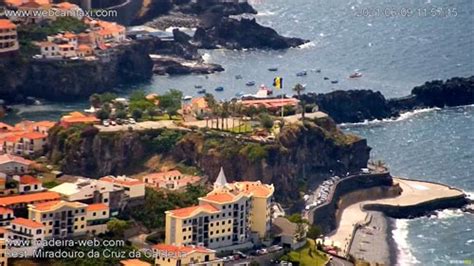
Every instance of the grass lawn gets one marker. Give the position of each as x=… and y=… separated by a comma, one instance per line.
x=307, y=255
x=244, y=128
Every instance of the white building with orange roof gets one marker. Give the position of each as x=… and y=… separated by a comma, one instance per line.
x=3, y=246
x=67, y=50
x=23, y=143
x=49, y=49
x=77, y=118
x=97, y=217
x=233, y=214
x=6, y=216
x=32, y=126
x=11, y=164
x=174, y=255
x=19, y=202
x=28, y=184
x=70, y=10
x=84, y=50
x=134, y=188
x=8, y=37
x=171, y=180
x=61, y=218
x=21, y=231
x=134, y=262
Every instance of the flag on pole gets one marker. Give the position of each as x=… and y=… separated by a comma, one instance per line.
x=278, y=83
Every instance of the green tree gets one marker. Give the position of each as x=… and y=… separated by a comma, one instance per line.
x=121, y=114
x=107, y=97
x=137, y=95
x=314, y=232
x=117, y=227
x=137, y=114
x=94, y=100
x=266, y=121
x=170, y=102
x=299, y=89
x=102, y=114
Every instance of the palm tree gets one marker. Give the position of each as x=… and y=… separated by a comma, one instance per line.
x=298, y=89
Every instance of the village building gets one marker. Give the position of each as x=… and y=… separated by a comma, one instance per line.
x=97, y=217
x=77, y=118
x=6, y=216
x=25, y=230
x=134, y=188
x=134, y=262
x=28, y=184
x=172, y=255
x=171, y=180
x=287, y=234
x=3, y=247
x=11, y=164
x=23, y=143
x=8, y=37
x=19, y=203
x=61, y=218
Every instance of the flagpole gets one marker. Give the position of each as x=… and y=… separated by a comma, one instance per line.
x=282, y=107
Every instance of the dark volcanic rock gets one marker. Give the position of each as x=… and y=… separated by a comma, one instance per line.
x=61, y=80
x=244, y=33
x=358, y=105
x=351, y=106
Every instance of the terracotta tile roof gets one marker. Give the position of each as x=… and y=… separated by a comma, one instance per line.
x=4, y=211
x=194, y=210
x=52, y=205
x=45, y=123
x=33, y=135
x=27, y=222
x=97, y=207
x=30, y=198
x=29, y=180
x=77, y=117
x=31, y=4
x=66, y=5
x=126, y=182
x=134, y=262
x=182, y=249
x=5, y=126
x=163, y=175
x=84, y=47
x=220, y=197
x=199, y=102
x=7, y=158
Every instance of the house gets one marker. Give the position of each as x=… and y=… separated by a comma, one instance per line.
x=171, y=180
x=231, y=214
x=6, y=216
x=3, y=246
x=134, y=188
x=23, y=143
x=61, y=219
x=97, y=217
x=271, y=104
x=134, y=262
x=288, y=234
x=198, y=107
x=11, y=164
x=175, y=255
x=31, y=126
x=90, y=191
x=76, y=118
x=25, y=230
x=67, y=50
x=70, y=10
x=28, y=184
x=84, y=50
x=19, y=202
x=8, y=37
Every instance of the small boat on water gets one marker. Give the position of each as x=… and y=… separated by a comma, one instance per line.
x=187, y=98
x=203, y=91
x=219, y=89
x=355, y=75
x=301, y=74
x=326, y=78
x=273, y=69
x=250, y=83
x=238, y=77
x=334, y=81
x=198, y=86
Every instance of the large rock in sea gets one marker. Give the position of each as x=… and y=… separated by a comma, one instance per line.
x=244, y=33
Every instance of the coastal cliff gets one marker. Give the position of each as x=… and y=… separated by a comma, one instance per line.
x=302, y=154
x=359, y=105
x=72, y=79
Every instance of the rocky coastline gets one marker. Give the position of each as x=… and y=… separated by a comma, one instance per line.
x=354, y=106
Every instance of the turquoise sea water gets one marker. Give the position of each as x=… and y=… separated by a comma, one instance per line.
x=395, y=52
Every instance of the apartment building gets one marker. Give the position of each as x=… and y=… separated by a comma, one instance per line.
x=61, y=218
x=97, y=217
x=3, y=247
x=6, y=216
x=232, y=214
x=172, y=255
x=25, y=231
x=18, y=203
x=23, y=143
x=92, y=191
x=134, y=188
x=8, y=37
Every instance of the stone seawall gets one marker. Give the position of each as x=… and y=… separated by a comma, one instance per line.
x=327, y=215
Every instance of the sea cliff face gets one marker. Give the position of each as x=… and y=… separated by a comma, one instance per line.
x=73, y=79
x=358, y=105
x=301, y=155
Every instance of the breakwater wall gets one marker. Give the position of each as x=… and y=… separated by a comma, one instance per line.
x=421, y=209
x=327, y=215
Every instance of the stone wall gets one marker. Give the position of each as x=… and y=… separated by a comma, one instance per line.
x=327, y=215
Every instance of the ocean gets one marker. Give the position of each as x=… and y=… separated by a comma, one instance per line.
x=396, y=45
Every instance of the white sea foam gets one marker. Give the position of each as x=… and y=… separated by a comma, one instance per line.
x=447, y=214
x=403, y=116
x=266, y=13
x=307, y=45
x=206, y=57
x=469, y=195
x=400, y=236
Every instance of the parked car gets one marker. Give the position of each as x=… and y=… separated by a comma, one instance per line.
x=113, y=123
x=106, y=123
x=132, y=121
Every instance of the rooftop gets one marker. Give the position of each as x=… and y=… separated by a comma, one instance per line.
x=56, y=204
x=27, y=222
x=29, y=180
x=8, y=158
x=194, y=210
x=30, y=198
x=97, y=207
x=182, y=249
x=122, y=180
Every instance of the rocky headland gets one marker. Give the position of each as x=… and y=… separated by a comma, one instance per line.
x=303, y=154
x=353, y=106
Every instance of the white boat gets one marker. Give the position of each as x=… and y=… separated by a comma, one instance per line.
x=187, y=98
